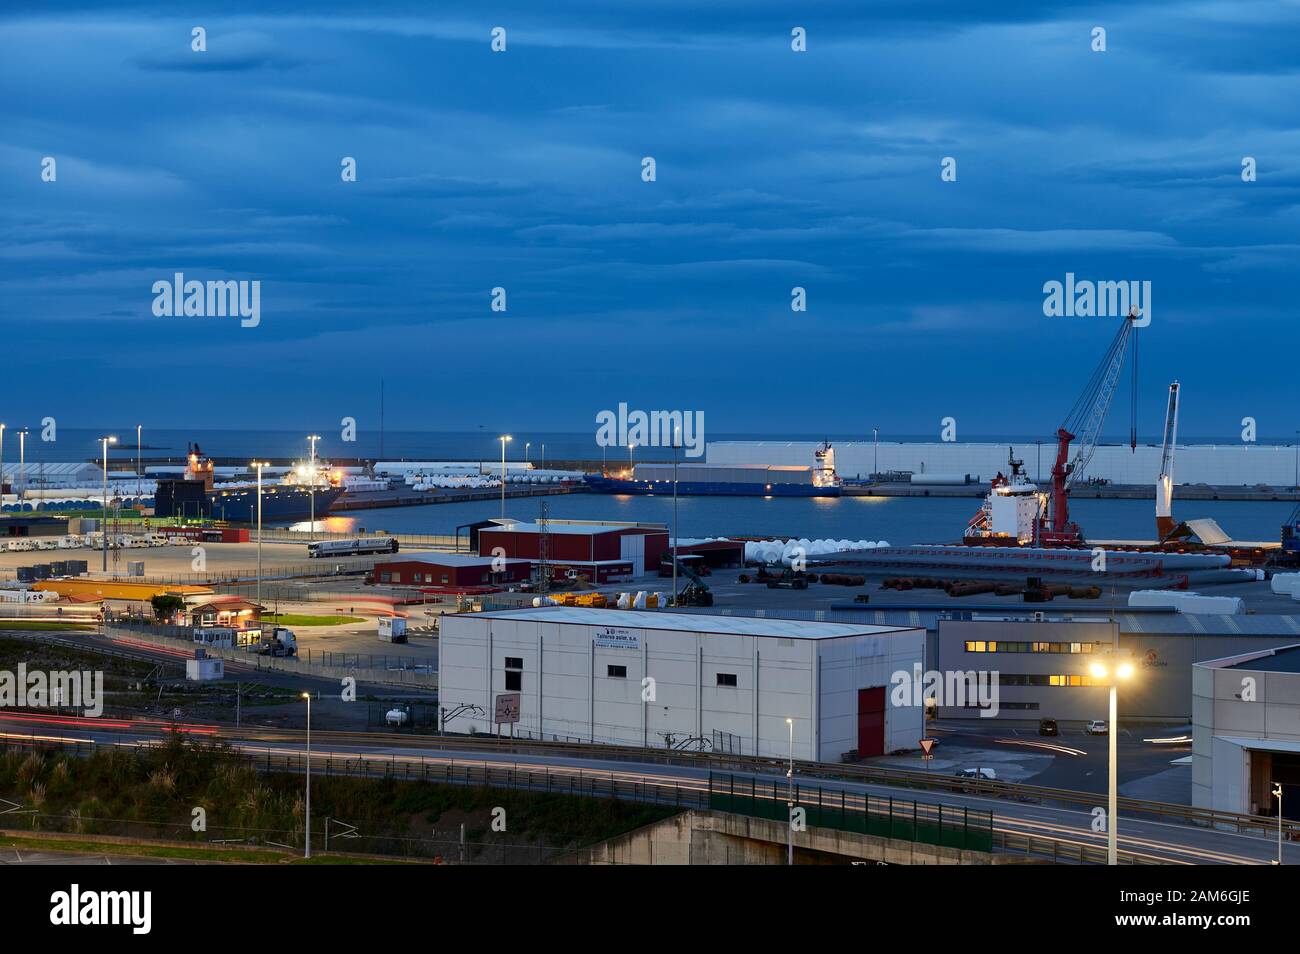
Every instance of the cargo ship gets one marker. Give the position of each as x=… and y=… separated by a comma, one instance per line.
x=726, y=480
x=196, y=495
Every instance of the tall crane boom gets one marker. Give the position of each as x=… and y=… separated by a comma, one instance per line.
x=1165, y=482
x=1084, y=423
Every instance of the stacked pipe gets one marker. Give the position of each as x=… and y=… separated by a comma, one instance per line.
x=1120, y=567
x=843, y=579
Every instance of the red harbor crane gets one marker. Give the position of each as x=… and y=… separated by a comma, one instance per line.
x=1083, y=424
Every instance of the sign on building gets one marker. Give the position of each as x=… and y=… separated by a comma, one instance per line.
x=613, y=638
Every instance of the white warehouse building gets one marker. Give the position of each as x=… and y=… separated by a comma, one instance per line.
x=1246, y=731
x=656, y=679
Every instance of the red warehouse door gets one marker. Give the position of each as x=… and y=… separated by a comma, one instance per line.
x=871, y=722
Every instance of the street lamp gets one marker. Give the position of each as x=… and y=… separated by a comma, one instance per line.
x=527, y=444
x=259, y=464
x=1277, y=793
x=1113, y=675
x=110, y=439
x=789, y=774
x=311, y=475
x=875, y=454
x=307, y=842
x=503, y=439
x=676, y=432
x=139, y=430
x=2, y=463
x=22, y=467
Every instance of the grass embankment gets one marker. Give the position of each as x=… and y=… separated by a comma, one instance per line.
x=153, y=794
x=299, y=619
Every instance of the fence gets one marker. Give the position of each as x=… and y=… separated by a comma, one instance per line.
x=901, y=819
x=879, y=815
x=286, y=535
x=411, y=671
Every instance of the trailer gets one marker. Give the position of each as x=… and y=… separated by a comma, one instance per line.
x=392, y=629
x=358, y=547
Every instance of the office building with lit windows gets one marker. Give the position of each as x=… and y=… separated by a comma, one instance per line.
x=1042, y=664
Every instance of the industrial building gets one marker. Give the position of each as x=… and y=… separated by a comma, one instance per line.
x=604, y=552
x=451, y=569
x=1040, y=668
x=1246, y=732
x=691, y=681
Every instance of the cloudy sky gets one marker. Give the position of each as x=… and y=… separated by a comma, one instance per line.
x=522, y=170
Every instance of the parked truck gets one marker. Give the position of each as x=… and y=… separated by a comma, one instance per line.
x=278, y=642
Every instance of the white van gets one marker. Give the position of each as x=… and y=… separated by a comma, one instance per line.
x=22, y=545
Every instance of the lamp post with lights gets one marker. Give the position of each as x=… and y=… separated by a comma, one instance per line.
x=259, y=464
x=1277, y=793
x=105, y=441
x=311, y=475
x=1112, y=672
x=22, y=467
x=503, y=439
x=789, y=774
x=307, y=826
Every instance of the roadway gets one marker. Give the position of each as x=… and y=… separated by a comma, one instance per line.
x=1150, y=841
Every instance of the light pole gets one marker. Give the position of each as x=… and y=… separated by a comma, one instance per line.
x=631, y=464
x=543, y=457
x=503, y=438
x=1114, y=675
x=22, y=467
x=2, y=463
x=1277, y=793
x=307, y=827
x=311, y=474
x=259, y=464
x=139, y=429
x=789, y=774
x=675, y=445
x=110, y=439
x=875, y=453
x=527, y=444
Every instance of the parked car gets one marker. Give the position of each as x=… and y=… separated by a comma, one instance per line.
x=1097, y=727
x=982, y=774
x=1048, y=727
